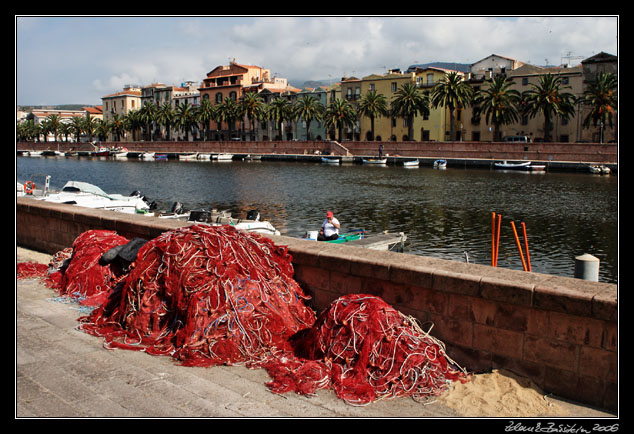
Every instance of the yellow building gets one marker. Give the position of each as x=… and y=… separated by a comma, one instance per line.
x=385, y=128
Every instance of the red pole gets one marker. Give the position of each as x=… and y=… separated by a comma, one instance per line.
x=528, y=256
x=519, y=246
x=497, y=241
x=493, y=239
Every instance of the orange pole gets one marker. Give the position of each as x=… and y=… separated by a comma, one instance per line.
x=497, y=241
x=493, y=239
x=519, y=246
x=528, y=256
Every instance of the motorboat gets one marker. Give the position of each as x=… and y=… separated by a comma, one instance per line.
x=201, y=156
x=440, y=164
x=90, y=196
x=101, y=152
x=252, y=222
x=147, y=156
x=521, y=165
x=223, y=157
x=375, y=161
x=360, y=238
x=330, y=160
x=119, y=152
x=187, y=157
x=411, y=163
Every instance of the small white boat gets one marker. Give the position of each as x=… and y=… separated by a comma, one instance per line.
x=505, y=165
x=90, y=196
x=411, y=163
x=330, y=160
x=187, y=157
x=253, y=157
x=201, y=156
x=223, y=157
x=147, y=156
x=440, y=164
x=251, y=223
x=375, y=161
x=33, y=153
x=119, y=152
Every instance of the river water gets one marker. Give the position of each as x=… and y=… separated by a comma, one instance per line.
x=444, y=213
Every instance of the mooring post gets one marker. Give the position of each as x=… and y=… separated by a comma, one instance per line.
x=587, y=267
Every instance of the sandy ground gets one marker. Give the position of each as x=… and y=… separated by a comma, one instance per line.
x=496, y=394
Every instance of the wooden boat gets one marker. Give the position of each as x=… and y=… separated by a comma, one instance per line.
x=523, y=165
x=160, y=156
x=187, y=157
x=375, y=161
x=251, y=223
x=411, y=163
x=101, y=152
x=330, y=160
x=201, y=156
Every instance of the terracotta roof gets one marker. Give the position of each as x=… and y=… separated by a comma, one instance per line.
x=123, y=93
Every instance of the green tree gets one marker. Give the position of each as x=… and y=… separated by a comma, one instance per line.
x=229, y=113
x=499, y=103
x=409, y=101
x=184, y=118
x=602, y=98
x=373, y=105
x=549, y=99
x=52, y=124
x=280, y=110
x=306, y=109
x=251, y=105
x=147, y=115
x=340, y=114
x=205, y=113
x=165, y=117
x=78, y=125
x=452, y=92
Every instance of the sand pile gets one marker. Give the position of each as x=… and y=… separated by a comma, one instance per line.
x=500, y=394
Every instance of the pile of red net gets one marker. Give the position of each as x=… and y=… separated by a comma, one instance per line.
x=214, y=295
x=208, y=296
x=85, y=278
x=27, y=270
x=366, y=350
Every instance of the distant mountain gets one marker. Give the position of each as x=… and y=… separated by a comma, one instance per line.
x=461, y=67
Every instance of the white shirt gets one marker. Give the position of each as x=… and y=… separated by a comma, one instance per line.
x=329, y=228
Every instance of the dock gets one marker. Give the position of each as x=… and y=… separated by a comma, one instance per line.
x=383, y=241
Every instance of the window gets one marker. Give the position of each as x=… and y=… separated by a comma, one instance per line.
x=430, y=78
x=393, y=87
x=524, y=81
x=372, y=87
x=218, y=97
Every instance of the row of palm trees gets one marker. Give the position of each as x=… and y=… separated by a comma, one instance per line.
x=499, y=103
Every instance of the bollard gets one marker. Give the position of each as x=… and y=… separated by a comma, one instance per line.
x=587, y=267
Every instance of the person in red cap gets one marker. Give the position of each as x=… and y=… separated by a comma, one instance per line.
x=329, y=228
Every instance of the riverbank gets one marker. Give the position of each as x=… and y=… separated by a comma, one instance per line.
x=556, y=156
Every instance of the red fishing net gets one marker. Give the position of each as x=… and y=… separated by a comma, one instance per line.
x=366, y=350
x=214, y=295
x=85, y=278
x=27, y=270
x=208, y=296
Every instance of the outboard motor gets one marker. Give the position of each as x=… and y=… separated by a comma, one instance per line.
x=254, y=215
x=199, y=215
x=177, y=208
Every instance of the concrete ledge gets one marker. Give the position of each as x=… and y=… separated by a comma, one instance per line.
x=560, y=332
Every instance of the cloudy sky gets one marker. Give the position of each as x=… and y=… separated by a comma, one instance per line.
x=79, y=59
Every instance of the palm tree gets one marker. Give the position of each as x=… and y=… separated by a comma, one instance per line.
x=103, y=129
x=280, y=110
x=90, y=127
x=452, y=92
x=251, y=105
x=308, y=108
x=165, y=117
x=548, y=99
x=78, y=124
x=373, y=105
x=205, y=113
x=228, y=112
x=53, y=123
x=601, y=96
x=409, y=101
x=116, y=126
x=147, y=114
x=339, y=114
x=184, y=118
x=499, y=103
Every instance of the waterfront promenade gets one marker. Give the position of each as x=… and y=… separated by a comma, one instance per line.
x=64, y=373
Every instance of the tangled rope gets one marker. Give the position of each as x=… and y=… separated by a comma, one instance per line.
x=214, y=295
